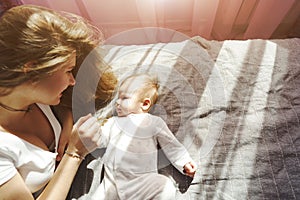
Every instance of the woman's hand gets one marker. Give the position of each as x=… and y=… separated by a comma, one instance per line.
x=65, y=117
x=85, y=136
x=63, y=141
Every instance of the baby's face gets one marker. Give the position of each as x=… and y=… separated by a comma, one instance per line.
x=128, y=99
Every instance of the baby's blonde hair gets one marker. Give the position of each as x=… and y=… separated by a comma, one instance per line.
x=149, y=87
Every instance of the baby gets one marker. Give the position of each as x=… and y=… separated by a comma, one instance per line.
x=132, y=139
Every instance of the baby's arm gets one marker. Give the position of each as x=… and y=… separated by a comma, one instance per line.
x=190, y=168
x=175, y=151
x=106, y=127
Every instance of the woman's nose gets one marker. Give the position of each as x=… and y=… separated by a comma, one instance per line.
x=72, y=80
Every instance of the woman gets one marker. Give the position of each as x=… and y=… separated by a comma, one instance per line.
x=40, y=52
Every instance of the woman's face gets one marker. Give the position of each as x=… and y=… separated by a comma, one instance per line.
x=49, y=90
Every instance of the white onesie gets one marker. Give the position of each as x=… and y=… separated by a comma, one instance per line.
x=131, y=158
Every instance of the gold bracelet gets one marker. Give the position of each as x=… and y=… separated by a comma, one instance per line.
x=74, y=155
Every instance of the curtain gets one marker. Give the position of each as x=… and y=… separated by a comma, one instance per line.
x=211, y=19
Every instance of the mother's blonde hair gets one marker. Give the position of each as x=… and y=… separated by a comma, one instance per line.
x=35, y=40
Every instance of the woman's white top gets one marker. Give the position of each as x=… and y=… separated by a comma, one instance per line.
x=35, y=165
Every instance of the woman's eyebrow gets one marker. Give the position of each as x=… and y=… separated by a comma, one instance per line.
x=70, y=67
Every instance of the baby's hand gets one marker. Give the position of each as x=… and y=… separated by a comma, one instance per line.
x=85, y=136
x=190, y=168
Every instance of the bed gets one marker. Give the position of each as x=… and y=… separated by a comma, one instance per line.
x=235, y=106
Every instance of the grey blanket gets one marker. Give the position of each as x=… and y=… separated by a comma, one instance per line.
x=235, y=105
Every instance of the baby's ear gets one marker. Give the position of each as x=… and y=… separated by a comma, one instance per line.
x=146, y=104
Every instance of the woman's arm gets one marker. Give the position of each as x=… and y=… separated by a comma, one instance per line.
x=84, y=139
x=57, y=188
x=60, y=184
x=15, y=188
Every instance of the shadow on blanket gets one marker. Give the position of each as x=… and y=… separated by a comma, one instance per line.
x=257, y=154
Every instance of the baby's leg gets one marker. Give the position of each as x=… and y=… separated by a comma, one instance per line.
x=151, y=186
x=107, y=189
x=166, y=190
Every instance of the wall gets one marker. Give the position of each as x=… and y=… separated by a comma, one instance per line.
x=211, y=19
